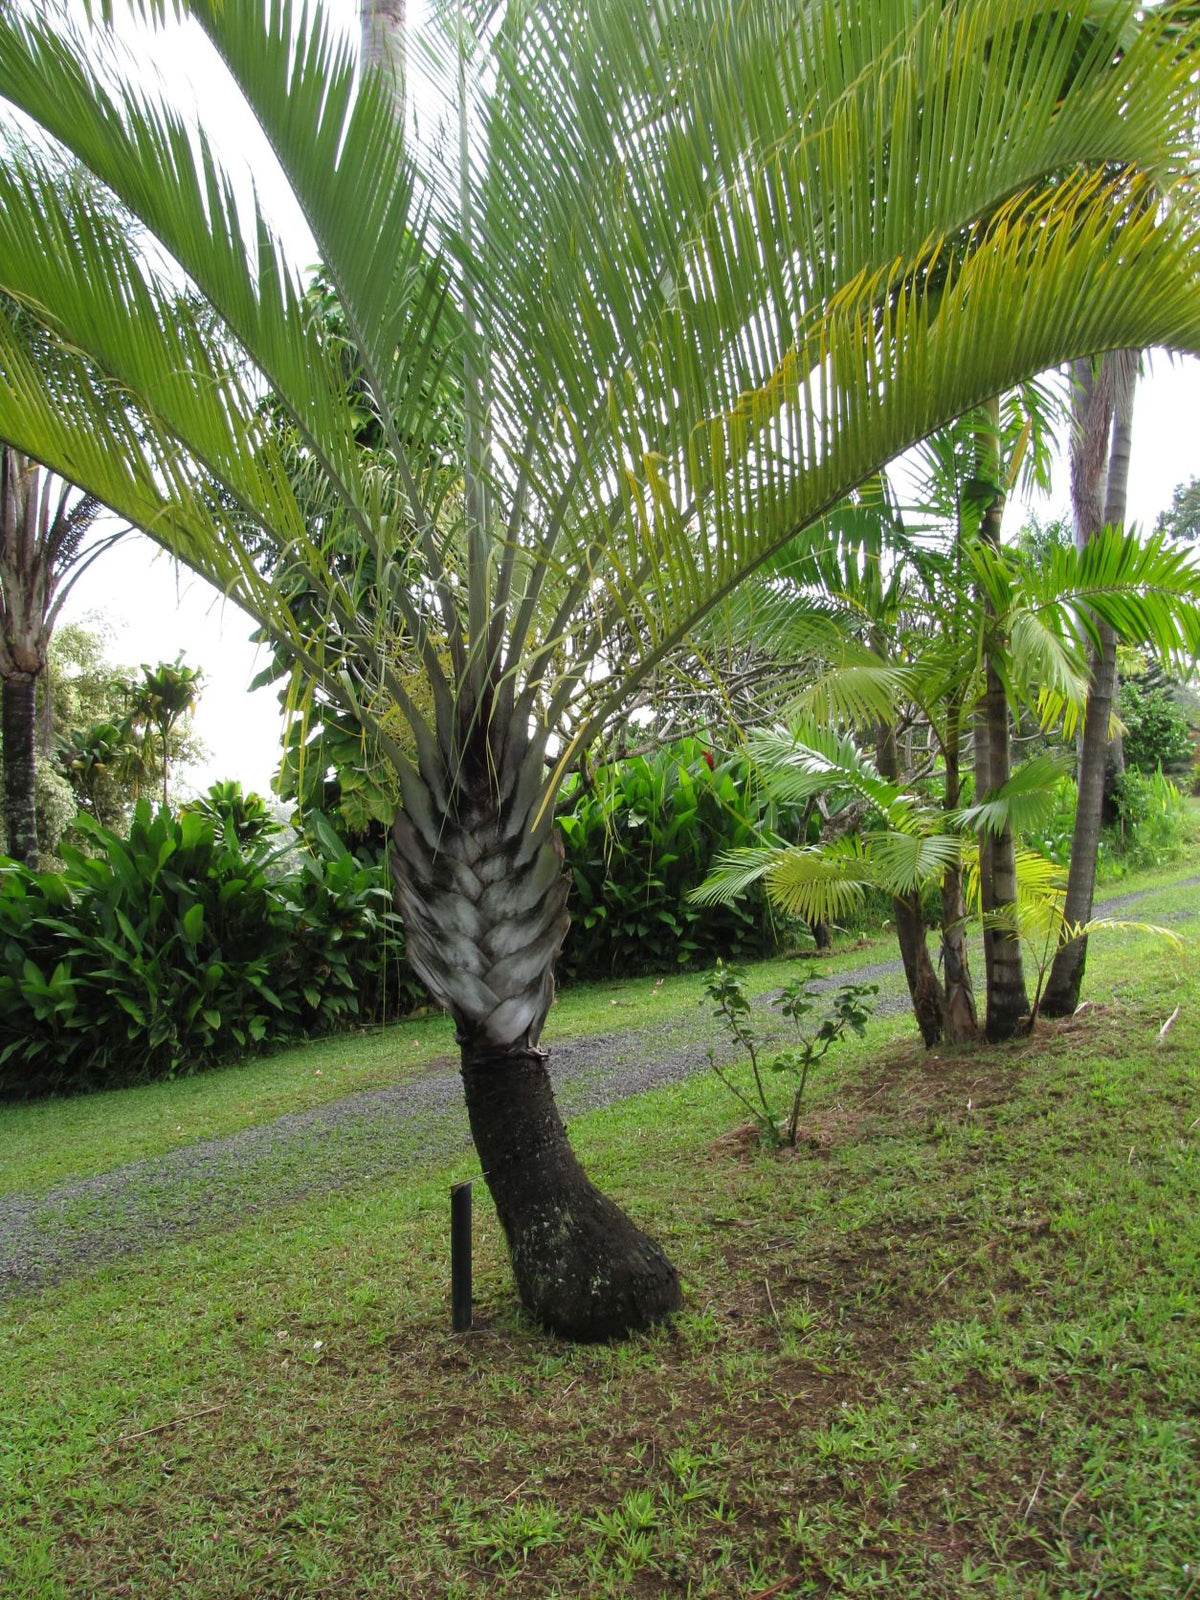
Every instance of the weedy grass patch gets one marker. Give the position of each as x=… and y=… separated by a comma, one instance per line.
x=947, y=1347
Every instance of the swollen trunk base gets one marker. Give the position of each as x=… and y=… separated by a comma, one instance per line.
x=583, y=1269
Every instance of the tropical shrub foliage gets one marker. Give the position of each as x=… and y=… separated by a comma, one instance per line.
x=1153, y=823
x=1157, y=730
x=176, y=949
x=204, y=936
x=641, y=838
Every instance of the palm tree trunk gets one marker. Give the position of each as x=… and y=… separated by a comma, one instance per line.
x=20, y=815
x=582, y=1268
x=1007, y=998
x=480, y=886
x=1111, y=395
x=960, y=1021
x=382, y=43
x=924, y=987
x=1125, y=364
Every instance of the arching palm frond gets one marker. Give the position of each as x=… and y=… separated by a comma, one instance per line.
x=858, y=689
x=1146, y=590
x=1048, y=668
x=1039, y=880
x=812, y=759
x=906, y=861
x=1024, y=802
x=818, y=883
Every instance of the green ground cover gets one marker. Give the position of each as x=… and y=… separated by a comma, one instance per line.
x=947, y=1349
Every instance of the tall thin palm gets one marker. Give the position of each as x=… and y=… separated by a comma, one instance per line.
x=166, y=694
x=701, y=269
x=45, y=545
x=1100, y=450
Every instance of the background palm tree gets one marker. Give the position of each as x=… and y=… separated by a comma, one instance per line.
x=45, y=525
x=914, y=838
x=700, y=268
x=1102, y=414
x=165, y=694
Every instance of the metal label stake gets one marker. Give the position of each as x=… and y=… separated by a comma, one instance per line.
x=460, y=1257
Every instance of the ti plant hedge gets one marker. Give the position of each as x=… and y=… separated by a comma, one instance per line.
x=190, y=943
x=176, y=948
x=640, y=839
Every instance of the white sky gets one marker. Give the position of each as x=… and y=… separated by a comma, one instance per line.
x=155, y=610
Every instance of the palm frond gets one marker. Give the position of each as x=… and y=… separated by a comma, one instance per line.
x=1039, y=880
x=694, y=317
x=1049, y=668
x=859, y=689
x=1147, y=590
x=1026, y=800
x=819, y=883
x=822, y=882
x=735, y=871
x=812, y=759
x=905, y=862
x=1040, y=923
x=1082, y=930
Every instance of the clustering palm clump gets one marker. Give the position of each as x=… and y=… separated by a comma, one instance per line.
x=921, y=639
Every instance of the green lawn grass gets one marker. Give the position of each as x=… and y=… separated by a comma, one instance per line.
x=948, y=1349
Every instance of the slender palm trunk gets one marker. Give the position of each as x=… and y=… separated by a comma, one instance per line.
x=1115, y=508
x=960, y=1021
x=480, y=885
x=1007, y=997
x=1095, y=401
x=383, y=44
x=20, y=816
x=924, y=988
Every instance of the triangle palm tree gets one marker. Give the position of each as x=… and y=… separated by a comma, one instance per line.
x=698, y=270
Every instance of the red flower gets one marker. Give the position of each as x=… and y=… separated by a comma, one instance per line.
x=708, y=756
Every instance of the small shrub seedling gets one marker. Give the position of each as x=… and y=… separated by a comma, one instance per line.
x=848, y=1011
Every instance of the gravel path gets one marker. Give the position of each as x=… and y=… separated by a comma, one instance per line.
x=376, y=1134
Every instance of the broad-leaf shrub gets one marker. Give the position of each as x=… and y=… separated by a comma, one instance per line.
x=1154, y=823
x=1158, y=735
x=640, y=838
x=174, y=949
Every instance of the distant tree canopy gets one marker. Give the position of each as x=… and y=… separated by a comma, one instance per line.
x=1181, y=519
x=91, y=735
